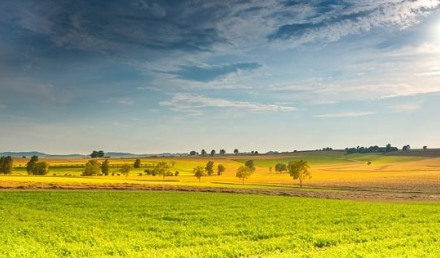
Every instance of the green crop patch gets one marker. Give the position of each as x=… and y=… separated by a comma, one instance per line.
x=166, y=224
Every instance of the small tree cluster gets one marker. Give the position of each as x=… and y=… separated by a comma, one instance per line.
x=406, y=147
x=92, y=168
x=34, y=167
x=97, y=154
x=125, y=169
x=163, y=169
x=6, y=165
x=280, y=167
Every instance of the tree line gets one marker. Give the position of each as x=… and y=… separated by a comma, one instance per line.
x=371, y=149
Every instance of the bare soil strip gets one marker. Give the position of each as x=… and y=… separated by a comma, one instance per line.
x=347, y=194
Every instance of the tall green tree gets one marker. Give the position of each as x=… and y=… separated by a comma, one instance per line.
x=212, y=153
x=40, y=168
x=6, y=165
x=250, y=164
x=203, y=152
x=210, y=168
x=137, y=163
x=280, y=167
x=105, y=167
x=92, y=168
x=243, y=172
x=125, y=169
x=299, y=170
x=94, y=154
x=236, y=151
x=31, y=163
x=220, y=169
x=222, y=152
x=199, y=172
x=162, y=168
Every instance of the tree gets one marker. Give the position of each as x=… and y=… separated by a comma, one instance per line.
x=425, y=147
x=97, y=154
x=40, y=168
x=6, y=165
x=92, y=168
x=31, y=163
x=406, y=147
x=105, y=167
x=280, y=167
x=203, y=152
x=192, y=153
x=210, y=167
x=222, y=152
x=94, y=154
x=125, y=169
x=299, y=170
x=199, y=172
x=243, y=172
x=137, y=163
x=220, y=169
x=162, y=169
x=212, y=153
x=236, y=152
x=250, y=165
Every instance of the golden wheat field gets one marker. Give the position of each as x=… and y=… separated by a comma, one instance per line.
x=330, y=170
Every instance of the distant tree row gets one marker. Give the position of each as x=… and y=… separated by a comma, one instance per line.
x=204, y=153
x=6, y=165
x=371, y=149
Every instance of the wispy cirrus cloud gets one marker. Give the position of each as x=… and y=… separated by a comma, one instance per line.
x=407, y=107
x=194, y=104
x=336, y=19
x=209, y=73
x=345, y=115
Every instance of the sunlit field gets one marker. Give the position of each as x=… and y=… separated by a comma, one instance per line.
x=334, y=169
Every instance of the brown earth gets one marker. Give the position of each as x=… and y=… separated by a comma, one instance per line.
x=322, y=193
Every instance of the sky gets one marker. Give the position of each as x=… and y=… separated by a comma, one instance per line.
x=174, y=76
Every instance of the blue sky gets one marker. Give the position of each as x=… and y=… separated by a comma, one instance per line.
x=174, y=76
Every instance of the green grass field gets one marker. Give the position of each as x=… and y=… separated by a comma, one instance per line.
x=165, y=224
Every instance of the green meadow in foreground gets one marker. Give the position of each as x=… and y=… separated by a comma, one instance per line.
x=174, y=224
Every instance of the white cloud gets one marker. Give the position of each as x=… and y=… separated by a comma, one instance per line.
x=3, y=106
x=195, y=104
x=348, y=114
x=406, y=107
x=121, y=101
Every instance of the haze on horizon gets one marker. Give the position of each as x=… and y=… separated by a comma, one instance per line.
x=174, y=76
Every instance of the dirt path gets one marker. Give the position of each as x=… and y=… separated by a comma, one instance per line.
x=369, y=195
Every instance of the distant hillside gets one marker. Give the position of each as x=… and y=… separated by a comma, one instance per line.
x=40, y=154
x=29, y=154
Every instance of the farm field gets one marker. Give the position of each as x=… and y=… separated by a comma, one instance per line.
x=176, y=224
x=331, y=171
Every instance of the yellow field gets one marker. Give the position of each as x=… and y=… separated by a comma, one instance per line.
x=344, y=172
